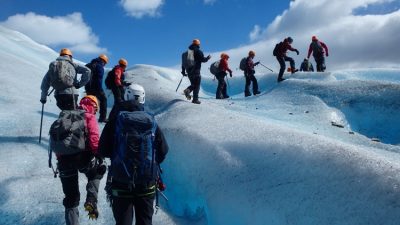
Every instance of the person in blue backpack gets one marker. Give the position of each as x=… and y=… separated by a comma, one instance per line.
x=95, y=85
x=136, y=146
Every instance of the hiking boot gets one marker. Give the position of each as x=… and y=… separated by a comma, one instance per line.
x=247, y=94
x=294, y=70
x=196, y=101
x=227, y=96
x=91, y=208
x=187, y=94
x=257, y=93
x=281, y=79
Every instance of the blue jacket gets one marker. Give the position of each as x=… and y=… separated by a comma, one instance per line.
x=96, y=81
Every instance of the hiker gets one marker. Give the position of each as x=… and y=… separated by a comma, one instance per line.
x=221, y=92
x=280, y=53
x=306, y=66
x=86, y=162
x=117, y=83
x=194, y=72
x=95, y=85
x=249, y=75
x=62, y=76
x=317, y=48
x=128, y=128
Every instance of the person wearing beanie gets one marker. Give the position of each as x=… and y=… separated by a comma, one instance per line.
x=317, y=47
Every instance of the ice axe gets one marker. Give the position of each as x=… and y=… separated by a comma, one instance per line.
x=179, y=84
x=266, y=67
x=41, y=118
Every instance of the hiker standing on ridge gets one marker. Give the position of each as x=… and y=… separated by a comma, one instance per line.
x=221, y=92
x=85, y=162
x=194, y=72
x=280, y=54
x=133, y=178
x=317, y=48
x=62, y=76
x=95, y=85
x=306, y=66
x=116, y=81
x=249, y=75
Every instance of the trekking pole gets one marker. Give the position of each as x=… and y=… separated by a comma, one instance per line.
x=41, y=123
x=179, y=84
x=266, y=67
x=50, y=92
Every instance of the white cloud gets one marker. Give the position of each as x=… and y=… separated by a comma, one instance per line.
x=353, y=40
x=141, y=8
x=62, y=31
x=209, y=2
x=255, y=33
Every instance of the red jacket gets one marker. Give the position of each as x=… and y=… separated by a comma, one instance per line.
x=223, y=65
x=119, y=71
x=93, y=134
x=283, y=49
x=323, y=45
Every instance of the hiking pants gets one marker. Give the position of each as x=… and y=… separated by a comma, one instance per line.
x=66, y=101
x=250, y=78
x=281, y=61
x=195, y=80
x=123, y=210
x=320, y=61
x=68, y=166
x=221, y=88
x=118, y=93
x=101, y=96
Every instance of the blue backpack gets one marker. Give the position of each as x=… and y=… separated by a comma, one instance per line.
x=133, y=160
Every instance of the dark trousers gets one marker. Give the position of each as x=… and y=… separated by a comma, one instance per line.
x=221, y=88
x=67, y=101
x=101, y=96
x=123, y=210
x=195, y=80
x=281, y=61
x=250, y=78
x=69, y=166
x=118, y=93
x=320, y=61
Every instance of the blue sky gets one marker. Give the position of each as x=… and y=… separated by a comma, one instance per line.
x=158, y=39
x=157, y=31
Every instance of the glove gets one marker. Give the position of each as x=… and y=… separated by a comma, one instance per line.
x=208, y=57
x=76, y=86
x=327, y=54
x=230, y=74
x=161, y=186
x=255, y=64
x=43, y=101
x=183, y=73
x=297, y=51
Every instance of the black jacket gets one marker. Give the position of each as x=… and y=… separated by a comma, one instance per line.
x=198, y=58
x=106, y=142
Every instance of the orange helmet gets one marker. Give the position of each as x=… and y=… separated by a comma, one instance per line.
x=93, y=100
x=104, y=58
x=123, y=62
x=65, y=51
x=196, y=42
x=252, y=53
x=224, y=55
x=314, y=38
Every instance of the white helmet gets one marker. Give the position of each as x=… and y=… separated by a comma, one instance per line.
x=135, y=92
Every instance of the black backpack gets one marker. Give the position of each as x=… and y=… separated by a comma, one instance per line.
x=92, y=66
x=277, y=49
x=133, y=160
x=243, y=64
x=109, y=82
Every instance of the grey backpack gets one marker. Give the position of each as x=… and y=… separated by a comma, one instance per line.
x=62, y=74
x=68, y=133
x=188, y=59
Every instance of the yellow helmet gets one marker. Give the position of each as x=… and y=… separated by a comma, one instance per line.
x=252, y=53
x=65, y=51
x=123, y=62
x=93, y=99
x=196, y=41
x=104, y=58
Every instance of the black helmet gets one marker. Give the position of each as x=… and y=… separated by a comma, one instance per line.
x=290, y=40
